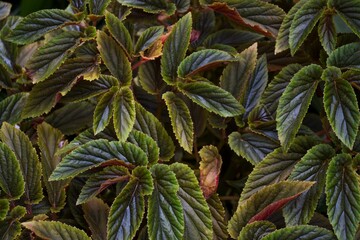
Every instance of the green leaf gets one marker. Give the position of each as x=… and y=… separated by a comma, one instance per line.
x=312, y=167
x=153, y=6
x=126, y=213
x=146, y=143
x=145, y=180
x=219, y=223
x=282, y=39
x=264, y=202
x=95, y=153
x=256, y=230
x=148, y=37
x=119, y=32
x=345, y=56
x=124, y=113
x=4, y=10
x=11, y=178
x=37, y=24
x=8, y=52
x=327, y=32
x=88, y=89
x=96, y=213
x=45, y=95
x=236, y=75
x=181, y=121
x=348, y=11
x=197, y=216
x=4, y=206
x=72, y=118
x=232, y=37
x=47, y=59
x=49, y=141
x=182, y=6
x=276, y=166
x=277, y=86
x=177, y=42
x=114, y=58
x=212, y=98
x=294, y=102
x=30, y=165
x=150, y=77
x=200, y=60
x=55, y=230
x=251, y=146
x=147, y=123
x=343, y=196
x=301, y=231
x=165, y=214
x=341, y=106
x=99, y=181
x=210, y=166
x=104, y=110
x=304, y=21
x=78, y=4
x=11, y=108
x=97, y=7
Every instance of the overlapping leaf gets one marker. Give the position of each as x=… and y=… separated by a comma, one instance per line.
x=294, y=102
x=327, y=32
x=345, y=56
x=348, y=11
x=4, y=9
x=4, y=208
x=30, y=165
x=343, y=197
x=98, y=7
x=219, y=222
x=36, y=24
x=154, y=6
x=197, y=216
x=95, y=153
x=265, y=202
x=256, y=230
x=150, y=77
x=165, y=214
x=181, y=121
x=148, y=38
x=104, y=110
x=232, y=37
x=96, y=215
x=301, y=231
x=11, y=108
x=146, y=143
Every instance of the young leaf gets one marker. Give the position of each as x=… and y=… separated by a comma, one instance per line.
x=177, y=42
x=47, y=59
x=218, y=217
x=327, y=32
x=282, y=39
x=126, y=213
x=301, y=231
x=155, y=6
x=146, y=183
x=30, y=166
x=147, y=123
x=114, y=58
x=251, y=146
x=97, y=7
x=36, y=24
x=104, y=110
x=197, y=216
x=181, y=121
x=99, y=181
x=276, y=166
x=200, y=60
x=119, y=32
x=148, y=38
x=265, y=202
x=210, y=166
x=44, y=95
x=295, y=101
x=146, y=143
x=95, y=153
x=345, y=56
x=348, y=11
x=256, y=230
x=343, y=196
x=304, y=21
x=124, y=113
x=11, y=180
x=96, y=213
x=312, y=167
x=165, y=214
x=4, y=10
x=341, y=106
x=11, y=108
x=49, y=141
x=212, y=98
x=55, y=230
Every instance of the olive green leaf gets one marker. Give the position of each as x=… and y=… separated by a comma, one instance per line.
x=11, y=108
x=146, y=143
x=301, y=231
x=104, y=110
x=256, y=230
x=219, y=222
x=327, y=32
x=345, y=56
x=148, y=38
x=348, y=10
x=154, y=6
x=96, y=213
x=97, y=7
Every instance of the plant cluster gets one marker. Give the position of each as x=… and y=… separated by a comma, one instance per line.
x=179, y=119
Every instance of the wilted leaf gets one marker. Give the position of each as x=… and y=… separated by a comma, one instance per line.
x=154, y=6
x=96, y=214
x=256, y=230
x=218, y=217
x=301, y=231
x=104, y=110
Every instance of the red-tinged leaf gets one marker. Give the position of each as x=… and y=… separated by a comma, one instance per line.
x=210, y=166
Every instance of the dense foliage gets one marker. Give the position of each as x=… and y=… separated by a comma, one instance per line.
x=179, y=119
